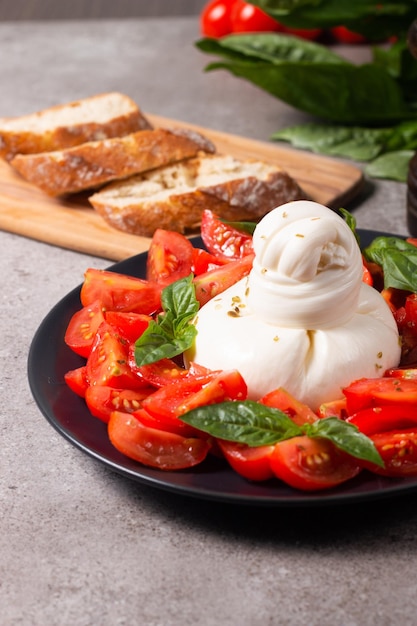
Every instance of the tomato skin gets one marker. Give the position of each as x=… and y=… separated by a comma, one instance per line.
x=398, y=450
x=118, y=292
x=152, y=447
x=311, y=464
x=384, y=418
x=77, y=380
x=211, y=284
x=170, y=257
x=407, y=372
x=247, y=17
x=165, y=371
x=222, y=240
x=215, y=18
x=334, y=408
x=102, y=400
x=129, y=325
x=204, y=261
x=304, y=33
x=82, y=327
x=108, y=361
x=280, y=399
x=253, y=463
x=370, y=392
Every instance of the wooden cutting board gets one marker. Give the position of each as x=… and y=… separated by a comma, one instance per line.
x=72, y=223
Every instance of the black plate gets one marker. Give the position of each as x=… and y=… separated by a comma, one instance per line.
x=49, y=359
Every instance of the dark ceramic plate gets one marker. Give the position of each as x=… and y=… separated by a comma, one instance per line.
x=50, y=358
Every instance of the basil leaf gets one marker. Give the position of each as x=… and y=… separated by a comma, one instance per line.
x=172, y=333
x=346, y=437
x=351, y=222
x=392, y=166
x=398, y=260
x=244, y=227
x=246, y=422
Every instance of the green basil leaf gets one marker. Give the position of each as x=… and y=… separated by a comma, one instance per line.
x=172, y=333
x=398, y=260
x=244, y=227
x=346, y=437
x=351, y=222
x=246, y=422
x=392, y=166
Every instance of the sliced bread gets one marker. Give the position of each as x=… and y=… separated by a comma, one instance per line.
x=174, y=197
x=67, y=125
x=94, y=163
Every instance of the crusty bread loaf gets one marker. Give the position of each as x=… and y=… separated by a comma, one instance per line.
x=174, y=197
x=67, y=125
x=94, y=163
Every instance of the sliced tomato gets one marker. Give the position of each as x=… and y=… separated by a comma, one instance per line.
x=102, y=400
x=381, y=419
x=369, y=392
x=152, y=447
x=402, y=372
x=252, y=463
x=118, y=292
x=173, y=425
x=170, y=257
x=311, y=464
x=334, y=408
x=204, y=261
x=366, y=274
x=398, y=450
x=108, y=361
x=129, y=325
x=165, y=371
x=280, y=399
x=304, y=33
x=211, y=284
x=77, y=380
x=222, y=240
x=82, y=328
x=345, y=35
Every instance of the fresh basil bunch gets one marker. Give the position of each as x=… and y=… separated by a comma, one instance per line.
x=365, y=112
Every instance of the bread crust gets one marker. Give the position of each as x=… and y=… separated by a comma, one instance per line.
x=92, y=164
x=61, y=127
x=247, y=198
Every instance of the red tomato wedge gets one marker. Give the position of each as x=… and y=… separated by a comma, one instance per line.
x=102, y=400
x=384, y=418
x=118, y=292
x=334, y=408
x=170, y=257
x=212, y=283
x=77, y=380
x=152, y=447
x=204, y=261
x=369, y=392
x=402, y=372
x=165, y=371
x=280, y=399
x=252, y=463
x=311, y=464
x=108, y=361
x=82, y=328
x=129, y=325
x=398, y=451
x=222, y=240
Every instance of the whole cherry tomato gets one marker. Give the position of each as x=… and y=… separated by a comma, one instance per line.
x=246, y=18
x=215, y=18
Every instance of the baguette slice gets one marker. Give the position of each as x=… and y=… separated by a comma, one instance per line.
x=67, y=125
x=174, y=197
x=94, y=163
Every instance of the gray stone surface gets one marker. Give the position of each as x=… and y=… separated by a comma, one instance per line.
x=82, y=546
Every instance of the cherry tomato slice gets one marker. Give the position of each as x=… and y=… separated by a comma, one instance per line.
x=118, y=292
x=102, y=400
x=152, y=447
x=204, y=261
x=402, y=372
x=129, y=325
x=82, y=328
x=77, y=380
x=311, y=464
x=108, y=361
x=398, y=450
x=170, y=257
x=344, y=35
x=334, y=408
x=252, y=463
x=222, y=240
x=381, y=419
x=280, y=399
x=213, y=283
x=369, y=392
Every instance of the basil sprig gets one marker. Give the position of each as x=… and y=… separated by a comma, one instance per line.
x=255, y=424
x=172, y=333
x=398, y=259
